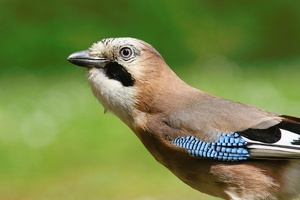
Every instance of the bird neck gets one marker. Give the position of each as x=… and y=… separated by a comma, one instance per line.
x=162, y=93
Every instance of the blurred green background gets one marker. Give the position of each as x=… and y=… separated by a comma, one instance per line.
x=55, y=141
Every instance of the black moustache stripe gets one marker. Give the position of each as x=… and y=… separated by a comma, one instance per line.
x=117, y=72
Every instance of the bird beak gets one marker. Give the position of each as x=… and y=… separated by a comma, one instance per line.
x=84, y=59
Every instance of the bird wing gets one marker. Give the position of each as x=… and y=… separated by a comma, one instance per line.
x=287, y=145
x=227, y=130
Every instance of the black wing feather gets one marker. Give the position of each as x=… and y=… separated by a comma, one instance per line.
x=273, y=133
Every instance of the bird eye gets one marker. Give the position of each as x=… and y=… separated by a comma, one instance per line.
x=126, y=52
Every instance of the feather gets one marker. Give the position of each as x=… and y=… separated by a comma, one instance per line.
x=277, y=142
x=286, y=147
x=181, y=125
x=230, y=147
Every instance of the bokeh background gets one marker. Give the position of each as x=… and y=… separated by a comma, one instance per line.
x=55, y=141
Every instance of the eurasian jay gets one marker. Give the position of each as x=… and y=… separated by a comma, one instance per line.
x=217, y=146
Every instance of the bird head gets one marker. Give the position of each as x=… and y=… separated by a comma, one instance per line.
x=123, y=73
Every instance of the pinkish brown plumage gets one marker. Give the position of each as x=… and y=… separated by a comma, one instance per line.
x=194, y=134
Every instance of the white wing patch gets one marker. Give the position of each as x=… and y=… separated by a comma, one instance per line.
x=284, y=148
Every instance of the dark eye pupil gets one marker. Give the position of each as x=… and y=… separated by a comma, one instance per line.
x=126, y=52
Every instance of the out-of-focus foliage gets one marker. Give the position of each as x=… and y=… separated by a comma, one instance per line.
x=39, y=35
x=55, y=141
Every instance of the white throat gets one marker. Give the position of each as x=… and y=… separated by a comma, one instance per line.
x=113, y=95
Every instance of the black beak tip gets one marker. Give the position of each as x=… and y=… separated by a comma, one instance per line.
x=84, y=59
x=78, y=58
x=69, y=58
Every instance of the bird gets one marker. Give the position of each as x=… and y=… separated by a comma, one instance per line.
x=217, y=146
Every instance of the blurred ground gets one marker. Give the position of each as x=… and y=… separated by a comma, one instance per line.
x=55, y=141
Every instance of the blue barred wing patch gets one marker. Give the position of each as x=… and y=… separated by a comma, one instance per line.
x=230, y=147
